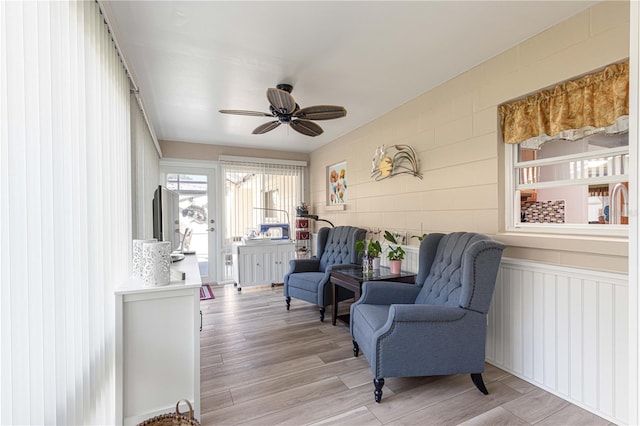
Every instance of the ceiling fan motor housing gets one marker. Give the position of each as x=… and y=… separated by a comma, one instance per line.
x=286, y=87
x=282, y=116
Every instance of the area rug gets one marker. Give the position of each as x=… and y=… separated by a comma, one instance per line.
x=206, y=293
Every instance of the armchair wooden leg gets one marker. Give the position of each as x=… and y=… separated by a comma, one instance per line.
x=477, y=380
x=288, y=300
x=356, y=349
x=321, y=314
x=378, y=383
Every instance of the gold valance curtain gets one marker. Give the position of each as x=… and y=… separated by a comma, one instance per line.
x=570, y=110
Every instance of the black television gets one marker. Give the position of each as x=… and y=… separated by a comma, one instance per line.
x=166, y=216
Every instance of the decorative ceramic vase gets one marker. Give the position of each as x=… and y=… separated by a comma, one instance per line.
x=157, y=263
x=138, y=261
x=395, y=266
x=376, y=263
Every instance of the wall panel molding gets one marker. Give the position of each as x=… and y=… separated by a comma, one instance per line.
x=565, y=330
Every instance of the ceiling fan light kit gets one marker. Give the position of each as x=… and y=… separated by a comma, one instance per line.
x=284, y=108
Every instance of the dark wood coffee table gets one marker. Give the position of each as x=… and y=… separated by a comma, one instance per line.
x=352, y=279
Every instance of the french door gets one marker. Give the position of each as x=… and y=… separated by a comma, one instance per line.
x=198, y=207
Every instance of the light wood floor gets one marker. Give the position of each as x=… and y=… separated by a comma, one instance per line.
x=264, y=365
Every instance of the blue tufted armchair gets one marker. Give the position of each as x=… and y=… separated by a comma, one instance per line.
x=308, y=279
x=437, y=326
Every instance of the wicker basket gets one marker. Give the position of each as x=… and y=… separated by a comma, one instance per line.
x=173, y=419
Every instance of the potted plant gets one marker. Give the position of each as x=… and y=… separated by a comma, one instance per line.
x=372, y=251
x=302, y=208
x=395, y=254
x=420, y=237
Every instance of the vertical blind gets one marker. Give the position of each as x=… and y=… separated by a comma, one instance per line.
x=65, y=212
x=145, y=173
x=257, y=193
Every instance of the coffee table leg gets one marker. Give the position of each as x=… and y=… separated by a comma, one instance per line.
x=334, y=304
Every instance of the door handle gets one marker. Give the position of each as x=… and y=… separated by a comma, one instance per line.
x=211, y=229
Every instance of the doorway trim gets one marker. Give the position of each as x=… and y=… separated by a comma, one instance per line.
x=211, y=169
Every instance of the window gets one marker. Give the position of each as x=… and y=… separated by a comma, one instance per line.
x=256, y=194
x=570, y=186
x=567, y=155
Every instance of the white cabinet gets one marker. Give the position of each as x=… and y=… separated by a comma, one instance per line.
x=261, y=263
x=158, y=345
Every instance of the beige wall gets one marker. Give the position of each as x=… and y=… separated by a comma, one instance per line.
x=454, y=129
x=206, y=152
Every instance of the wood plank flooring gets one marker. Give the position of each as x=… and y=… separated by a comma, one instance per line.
x=264, y=365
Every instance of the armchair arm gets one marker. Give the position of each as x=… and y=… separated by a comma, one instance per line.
x=324, y=288
x=303, y=265
x=387, y=293
x=425, y=313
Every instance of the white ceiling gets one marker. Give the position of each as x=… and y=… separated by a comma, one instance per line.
x=190, y=59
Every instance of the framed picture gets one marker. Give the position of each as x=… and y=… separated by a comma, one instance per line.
x=337, y=184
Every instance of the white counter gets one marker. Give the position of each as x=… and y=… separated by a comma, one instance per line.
x=188, y=265
x=158, y=345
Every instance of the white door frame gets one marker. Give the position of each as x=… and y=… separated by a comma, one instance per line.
x=209, y=168
x=634, y=225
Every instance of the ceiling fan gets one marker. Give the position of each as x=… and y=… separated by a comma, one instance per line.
x=285, y=109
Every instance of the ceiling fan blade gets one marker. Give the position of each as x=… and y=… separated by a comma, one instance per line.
x=266, y=127
x=281, y=100
x=308, y=128
x=321, y=112
x=243, y=112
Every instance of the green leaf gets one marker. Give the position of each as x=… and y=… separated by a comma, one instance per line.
x=389, y=237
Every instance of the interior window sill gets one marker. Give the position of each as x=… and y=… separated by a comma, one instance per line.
x=593, y=244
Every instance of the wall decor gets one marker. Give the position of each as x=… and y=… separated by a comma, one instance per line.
x=401, y=160
x=337, y=184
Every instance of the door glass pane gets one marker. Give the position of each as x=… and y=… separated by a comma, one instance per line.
x=194, y=217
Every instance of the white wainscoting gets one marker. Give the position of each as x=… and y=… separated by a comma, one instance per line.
x=410, y=262
x=564, y=330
